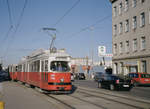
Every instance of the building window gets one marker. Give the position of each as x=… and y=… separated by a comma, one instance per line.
x=149, y=16
x=120, y=8
x=115, y=48
x=126, y=25
x=115, y=68
x=142, y=1
x=143, y=66
x=121, y=68
x=142, y=19
x=121, y=48
x=134, y=3
x=134, y=22
x=134, y=44
x=120, y=27
x=115, y=11
x=127, y=47
x=115, y=30
x=126, y=5
x=143, y=43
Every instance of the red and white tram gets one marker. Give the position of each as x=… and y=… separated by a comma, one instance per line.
x=45, y=70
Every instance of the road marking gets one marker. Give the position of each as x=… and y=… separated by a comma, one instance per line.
x=1, y=105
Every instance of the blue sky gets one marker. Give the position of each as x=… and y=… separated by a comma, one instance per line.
x=45, y=13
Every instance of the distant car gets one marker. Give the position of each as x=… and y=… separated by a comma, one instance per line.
x=140, y=78
x=80, y=76
x=97, y=75
x=72, y=77
x=114, y=82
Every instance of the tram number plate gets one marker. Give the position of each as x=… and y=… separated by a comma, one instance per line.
x=125, y=85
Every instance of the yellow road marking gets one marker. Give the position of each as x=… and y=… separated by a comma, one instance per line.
x=2, y=105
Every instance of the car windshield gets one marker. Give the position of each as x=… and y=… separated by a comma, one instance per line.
x=61, y=66
x=114, y=77
x=98, y=73
x=145, y=75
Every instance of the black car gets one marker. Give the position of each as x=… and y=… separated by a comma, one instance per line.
x=80, y=76
x=97, y=75
x=4, y=76
x=114, y=82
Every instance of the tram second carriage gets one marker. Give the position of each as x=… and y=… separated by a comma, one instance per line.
x=13, y=72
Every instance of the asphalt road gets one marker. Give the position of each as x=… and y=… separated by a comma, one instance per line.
x=139, y=91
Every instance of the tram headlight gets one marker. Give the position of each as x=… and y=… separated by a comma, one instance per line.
x=62, y=80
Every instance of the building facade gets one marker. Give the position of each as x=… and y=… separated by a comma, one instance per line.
x=131, y=36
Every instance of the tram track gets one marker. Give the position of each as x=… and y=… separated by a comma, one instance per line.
x=108, y=98
x=112, y=100
x=67, y=106
x=60, y=104
x=79, y=100
x=107, y=94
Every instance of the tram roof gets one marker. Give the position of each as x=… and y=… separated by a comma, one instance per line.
x=39, y=53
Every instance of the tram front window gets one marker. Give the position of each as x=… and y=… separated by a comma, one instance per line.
x=60, y=66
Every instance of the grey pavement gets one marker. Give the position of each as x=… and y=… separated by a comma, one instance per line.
x=16, y=97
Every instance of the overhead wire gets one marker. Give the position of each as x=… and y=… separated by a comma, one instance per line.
x=94, y=24
x=9, y=13
x=11, y=24
x=17, y=26
x=10, y=20
x=67, y=12
x=88, y=27
x=6, y=36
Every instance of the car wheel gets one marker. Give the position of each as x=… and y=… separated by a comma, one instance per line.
x=99, y=85
x=112, y=87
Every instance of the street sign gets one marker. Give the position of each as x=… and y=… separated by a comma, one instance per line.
x=108, y=55
x=101, y=50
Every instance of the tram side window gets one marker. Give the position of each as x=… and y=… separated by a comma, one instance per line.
x=24, y=67
x=16, y=68
x=31, y=67
x=34, y=66
x=37, y=65
x=42, y=66
x=46, y=65
x=10, y=69
x=20, y=68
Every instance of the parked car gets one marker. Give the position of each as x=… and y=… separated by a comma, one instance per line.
x=114, y=82
x=140, y=78
x=97, y=75
x=80, y=76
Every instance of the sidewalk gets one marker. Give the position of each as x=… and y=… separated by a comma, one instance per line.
x=1, y=91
